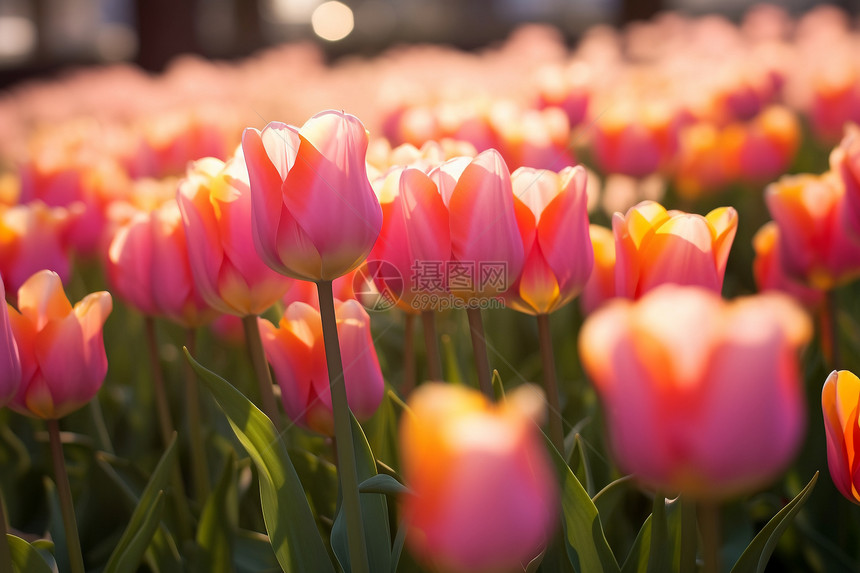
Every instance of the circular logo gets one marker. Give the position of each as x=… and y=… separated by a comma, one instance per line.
x=378, y=285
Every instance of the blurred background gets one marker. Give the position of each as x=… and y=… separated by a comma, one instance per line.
x=38, y=37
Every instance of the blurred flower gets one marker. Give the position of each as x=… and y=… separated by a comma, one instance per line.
x=764, y=147
x=769, y=270
x=703, y=164
x=215, y=201
x=635, y=140
x=654, y=246
x=845, y=163
x=148, y=266
x=814, y=243
x=34, y=237
x=315, y=216
x=840, y=403
x=484, y=496
x=63, y=361
x=296, y=352
x=10, y=363
x=684, y=377
x=601, y=284
x=553, y=220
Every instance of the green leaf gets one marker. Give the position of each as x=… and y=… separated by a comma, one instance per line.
x=56, y=526
x=498, y=387
x=607, y=499
x=254, y=553
x=374, y=512
x=587, y=547
x=289, y=521
x=579, y=465
x=757, y=554
x=135, y=541
x=162, y=555
x=144, y=520
x=382, y=483
x=399, y=540
x=657, y=547
x=218, y=521
x=25, y=557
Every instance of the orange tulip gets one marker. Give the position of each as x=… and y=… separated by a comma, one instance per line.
x=601, y=284
x=654, y=246
x=63, y=361
x=816, y=248
x=484, y=496
x=684, y=377
x=840, y=403
x=296, y=352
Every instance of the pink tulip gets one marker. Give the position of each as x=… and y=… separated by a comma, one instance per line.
x=769, y=269
x=845, y=162
x=148, y=267
x=296, y=352
x=63, y=361
x=215, y=201
x=684, y=377
x=486, y=246
x=315, y=216
x=553, y=222
x=10, y=363
x=654, y=246
x=34, y=237
x=484, y=493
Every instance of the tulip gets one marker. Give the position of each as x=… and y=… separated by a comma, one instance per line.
x=764, y=147
x=215, y=201
x=315, y=216
x=148, y=266
x=600, y=286
x=814, y=243
x=296, y=352
x=486, y=246
x=840, y=403
x=845, y=162
x=34, y=238
x=654, y=246
x=63, y=361
x=10, y=363
x=484, y=495
x=769, y=269
x=684, y=377
x=633, y=141
x=553, y=222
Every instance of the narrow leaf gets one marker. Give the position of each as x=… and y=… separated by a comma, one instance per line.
x=382, y=483
x=134, y=542
x=289, y=521
x=587, y=547
x=25, y=557
x=757, y=554
x=218, y=522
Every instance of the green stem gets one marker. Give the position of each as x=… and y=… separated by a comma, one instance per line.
x=342, y=432
x=709, y=524
x=831, y=302
x=64, y=490
x=550, y=383
x=431, y=344
x=689, y=536
x=5, y=552
x=166, y=429
x=408, y=354
x=261, y=369
x=199, y=465
x=479, y=348
x=165, y=424
x=100, y=426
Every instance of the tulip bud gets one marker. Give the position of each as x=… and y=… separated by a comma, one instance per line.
x=840, y=402
x=63, y=361
x=484, y=496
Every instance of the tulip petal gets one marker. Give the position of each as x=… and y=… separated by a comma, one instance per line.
x=42, y=299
